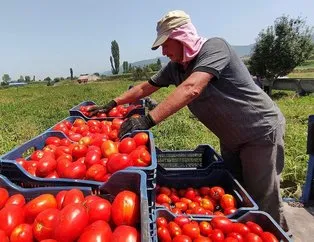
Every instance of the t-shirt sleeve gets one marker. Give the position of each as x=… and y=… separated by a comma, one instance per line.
x=214, y=57
x=162, y=78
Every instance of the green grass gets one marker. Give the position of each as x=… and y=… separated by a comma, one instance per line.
x=28, y=111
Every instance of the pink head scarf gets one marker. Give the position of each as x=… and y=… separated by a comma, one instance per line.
x=192, y=42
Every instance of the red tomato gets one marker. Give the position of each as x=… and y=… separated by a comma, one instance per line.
x=163, y=234
x=44, y=224
x=99, y=209
x=237, y=236
x=16, y=199
x=73, y=196
x=182, y=238
x=124, y=233
x=96, y=172
x=114, y=112
x=240, y=228
x=89, y=199
x=174, y=229
x=22, y=233
x=227, y=201
x=53, y=141
x=4, y=195
x=37, y=155
x=205, y=228
x=192, y=230
x=216, y=193
x=116, y=123
x=251, y=237
x=254, y=227
x=127, y=145
x=222, y=223
x=140, y=157
x=207, y=204
x=118, y=162
x=3, y=236
x=161, y=221
x=75, y=170
x=217, y=235
x=202, y=239
x=125, y=209
x=71, y=223
x=48, y=240
x=141, y=138
x=268, y=237
x=45, y=166
x=92, y=158
x=163, y=198
x=79, y=150
x=230, y=239
x=60, y=198
x=181, y=220
x=109, y=148
x=97, y=231
x=39, y=204
x=10, y=217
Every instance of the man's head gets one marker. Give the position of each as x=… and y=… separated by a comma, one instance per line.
x=167, y=23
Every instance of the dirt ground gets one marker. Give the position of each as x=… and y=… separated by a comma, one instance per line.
x=301, y=222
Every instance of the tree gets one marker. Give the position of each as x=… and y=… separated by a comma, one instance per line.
x=21, y=79
x=280, y=48
x=115, y=58
x=6, y=78
x=71, y=73
x=159, y=64
x=27, y=79
x=125, y=66
x=33, y=78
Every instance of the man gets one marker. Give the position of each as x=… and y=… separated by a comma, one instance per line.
x=218, y=89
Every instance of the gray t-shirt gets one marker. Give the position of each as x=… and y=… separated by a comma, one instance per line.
x=232, y=106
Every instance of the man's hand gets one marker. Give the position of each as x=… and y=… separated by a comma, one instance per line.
x=131, y=124
x=102, y=109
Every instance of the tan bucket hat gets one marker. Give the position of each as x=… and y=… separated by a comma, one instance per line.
x=171, y=20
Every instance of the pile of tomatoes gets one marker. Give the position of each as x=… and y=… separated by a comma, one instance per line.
x=69, y=216
x=93, y=157
x=204, y=200
x=218, y=229
x=94, y=130
x=119, y=111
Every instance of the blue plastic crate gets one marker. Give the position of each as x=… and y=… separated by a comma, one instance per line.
x=199, y=159
x=263, y=219
x=308, y=188
x=213, y=177
x=75, y=111
x=39, y=142
x=121, y=180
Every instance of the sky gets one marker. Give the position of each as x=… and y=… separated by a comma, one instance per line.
x=47, y=38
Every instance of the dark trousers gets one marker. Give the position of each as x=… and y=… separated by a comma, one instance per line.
x=257, y=165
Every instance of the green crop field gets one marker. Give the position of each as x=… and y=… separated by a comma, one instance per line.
x=28, y=111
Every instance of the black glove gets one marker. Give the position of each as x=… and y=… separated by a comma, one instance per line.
x=131, y=124
x=102, y=109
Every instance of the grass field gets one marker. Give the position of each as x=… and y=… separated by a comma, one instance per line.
x=28, y=111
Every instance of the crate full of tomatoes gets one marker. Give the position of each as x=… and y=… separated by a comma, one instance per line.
x=53, y=157
x=214, y=193
x=121, y=111
x=254, y=226
x=117, y=209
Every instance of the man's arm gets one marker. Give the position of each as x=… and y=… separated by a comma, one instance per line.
x=185, y=93
x=135, y=93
